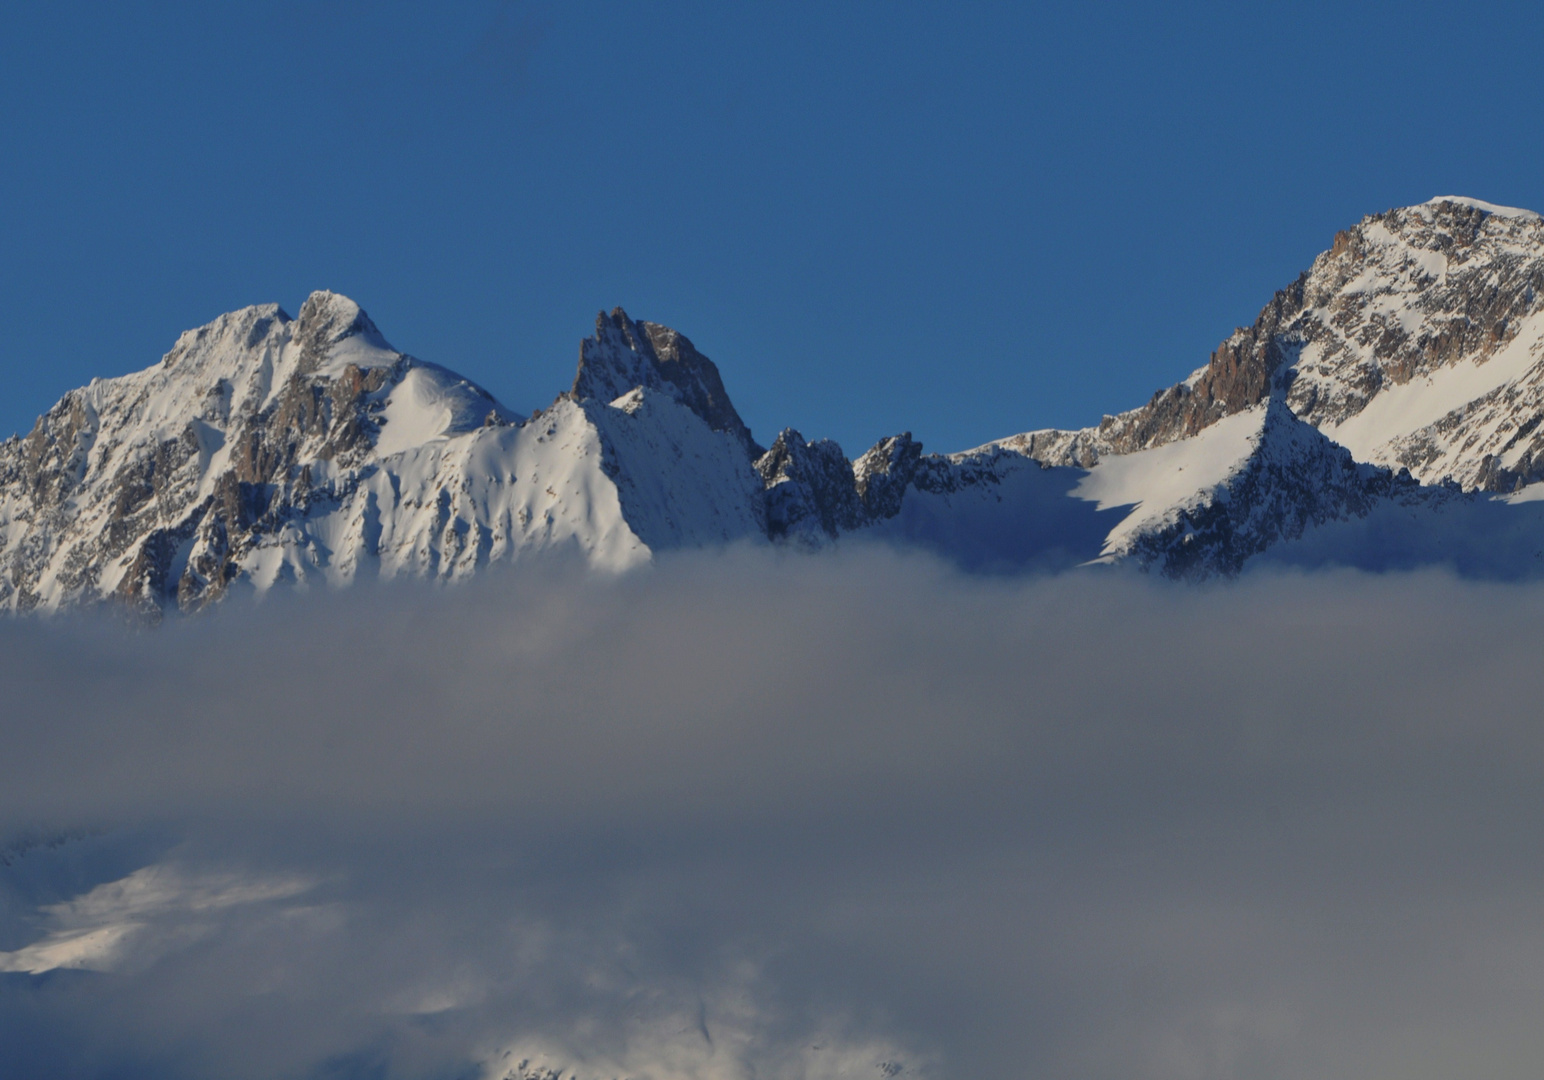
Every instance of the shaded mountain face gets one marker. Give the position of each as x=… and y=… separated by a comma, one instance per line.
x=1387, y=401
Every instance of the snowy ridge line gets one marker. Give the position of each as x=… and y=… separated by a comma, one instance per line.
x=1404, y=369
x=1480, y=204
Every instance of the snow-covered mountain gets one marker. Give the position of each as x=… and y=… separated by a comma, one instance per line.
x=1384, y=409
x=264, y=449
x=1413, y=342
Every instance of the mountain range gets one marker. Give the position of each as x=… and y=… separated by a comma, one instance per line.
x=1383, y=411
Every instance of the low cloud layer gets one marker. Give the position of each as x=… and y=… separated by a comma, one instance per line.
x=743, y=815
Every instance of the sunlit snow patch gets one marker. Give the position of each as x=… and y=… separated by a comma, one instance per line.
x=1157, y=482
x=429, y=404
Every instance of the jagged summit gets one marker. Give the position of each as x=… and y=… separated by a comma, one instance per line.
x=625, y=354
x=1388, y=401
x=328, y=319
x=336, y=317
x=170, y=482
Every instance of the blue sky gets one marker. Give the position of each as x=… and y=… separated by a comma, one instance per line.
x=964, y=220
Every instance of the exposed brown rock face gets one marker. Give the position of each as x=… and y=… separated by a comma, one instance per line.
x=312, y=417
x=1238, y=375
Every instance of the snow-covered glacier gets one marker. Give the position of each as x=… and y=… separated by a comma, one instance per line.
x=1384, y=409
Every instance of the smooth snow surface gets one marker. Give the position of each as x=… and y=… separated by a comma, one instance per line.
x=1155, y=482
x=428, y=404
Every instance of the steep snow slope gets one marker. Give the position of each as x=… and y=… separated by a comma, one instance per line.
x=696, y=486
x=1256, y=480
x=1159, y=483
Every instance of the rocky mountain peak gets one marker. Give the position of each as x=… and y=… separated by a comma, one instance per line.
x=624, y=355
x=811, y=496
x=1436, y=291
x=1285, y=479
x=330, y=317
x=616, y=360
x=882, y=473
x=326, y=320
x=814, y=493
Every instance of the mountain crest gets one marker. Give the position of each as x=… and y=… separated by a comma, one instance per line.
x=328, y=317
x=1394, y=390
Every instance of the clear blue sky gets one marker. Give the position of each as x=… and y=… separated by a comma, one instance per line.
x=966, y=220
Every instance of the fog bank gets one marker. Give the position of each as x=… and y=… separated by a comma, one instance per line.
x=743, y=815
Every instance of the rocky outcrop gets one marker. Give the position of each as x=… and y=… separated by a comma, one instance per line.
x=697, y=383
x=815, y=494
x=811, y=492
x=881, y=476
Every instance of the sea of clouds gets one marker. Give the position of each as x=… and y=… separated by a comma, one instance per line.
x=750, y=817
